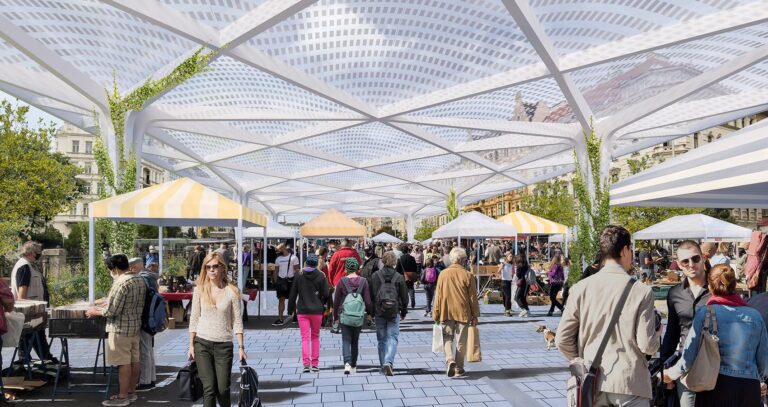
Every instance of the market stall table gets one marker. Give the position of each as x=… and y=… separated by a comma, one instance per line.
x=174, y=307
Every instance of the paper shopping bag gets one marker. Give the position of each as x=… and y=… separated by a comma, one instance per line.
x=473, y=345
x=437, y=339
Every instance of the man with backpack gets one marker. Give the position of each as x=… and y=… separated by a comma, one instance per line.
x=350, y=306
x=148, y=374
x=390, y=298
x=456, y=309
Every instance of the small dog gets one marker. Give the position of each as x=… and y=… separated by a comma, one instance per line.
x=549, y=335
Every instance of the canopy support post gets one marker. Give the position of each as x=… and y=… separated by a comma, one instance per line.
x=91, y=259
x=264, y=289
x=253, y=251
x=239, y=237
x=160, y=248
x=477, y=259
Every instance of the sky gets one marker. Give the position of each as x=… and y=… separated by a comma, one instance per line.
x=34, y=113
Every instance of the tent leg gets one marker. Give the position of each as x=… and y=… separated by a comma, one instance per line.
x=477, y=259
x=239, y=237
x=160, y=248
x=91, y=260
x=250, y=275
x=528, y=249
x=264, y=289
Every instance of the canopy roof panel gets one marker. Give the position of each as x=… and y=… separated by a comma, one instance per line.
x=696, y=226
x=527, y=224
x=380, y=107
x=474, y=225
x=332, y=223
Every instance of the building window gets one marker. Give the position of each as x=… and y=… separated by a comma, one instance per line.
x=85, y=210
x=89, y=147
x=87, y=168
x=75, y=146
x=146, y=176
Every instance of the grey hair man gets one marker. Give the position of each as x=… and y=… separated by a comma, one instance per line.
x=456, y=309
x=28, y=283
x=148, y=374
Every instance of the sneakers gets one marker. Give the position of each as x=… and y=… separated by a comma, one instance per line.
x=116, y=402
x=460, y=374
x=353, y=370
x=347, y=368
x=524, y=313
x=306, y=369
x=279, y=322
x=315, y=369
x=387, y=370
x=132, y=397
x=145, y=386
x=507, y=313
x=451, y=369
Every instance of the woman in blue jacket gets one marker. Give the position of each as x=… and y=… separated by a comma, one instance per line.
x=743, y=345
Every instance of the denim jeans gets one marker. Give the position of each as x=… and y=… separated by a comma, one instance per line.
x=687, y=397
x=387, y=333
x=430, y=290
x=350, y=337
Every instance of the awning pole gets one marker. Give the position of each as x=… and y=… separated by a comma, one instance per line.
x=264, y=289
x=239, y=237
x=160, y=248
x=91, y=259
x=477, y=259
x=253, y=251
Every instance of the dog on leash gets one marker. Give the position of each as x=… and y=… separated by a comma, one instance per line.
x=549, y=335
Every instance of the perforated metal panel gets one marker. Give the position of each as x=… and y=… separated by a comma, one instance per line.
x=379, y=107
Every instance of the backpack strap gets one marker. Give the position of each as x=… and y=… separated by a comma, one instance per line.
x=612, y=323
x=345, y=282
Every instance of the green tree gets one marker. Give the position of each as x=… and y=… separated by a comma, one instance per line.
x=424, y=231
x=191, y=233
x=74, y=242
x=35, y=183
x=551, y=200
x=49, y=237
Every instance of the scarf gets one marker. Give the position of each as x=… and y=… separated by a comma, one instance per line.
x=733, y=300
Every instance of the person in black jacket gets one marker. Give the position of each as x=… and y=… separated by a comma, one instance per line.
x=389, y=295
x=406, y=265
x=312, y=289
x=682, y=302
x=521, y=295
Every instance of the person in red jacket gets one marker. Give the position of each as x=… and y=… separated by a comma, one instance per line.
x=336, y=268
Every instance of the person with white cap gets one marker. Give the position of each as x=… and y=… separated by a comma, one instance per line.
x=151, y=256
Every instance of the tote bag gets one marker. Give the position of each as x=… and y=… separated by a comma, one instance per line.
x=437, y=339
x=702, y=376
x=190, y=386
x=473, y=345
x=14, y=325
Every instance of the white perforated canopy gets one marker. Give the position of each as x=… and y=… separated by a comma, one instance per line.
x=380, y=107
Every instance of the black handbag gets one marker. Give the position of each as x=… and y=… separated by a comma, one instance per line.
x=190, y=386
x=249, y=386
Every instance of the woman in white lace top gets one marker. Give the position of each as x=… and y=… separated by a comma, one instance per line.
x=216, y=313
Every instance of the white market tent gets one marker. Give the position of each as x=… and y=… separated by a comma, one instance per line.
x=728, y=173
x=182, y=202
x=695, y=226
x=385, y=237
x=475, y=225
x=274, y=230
x=294, y=115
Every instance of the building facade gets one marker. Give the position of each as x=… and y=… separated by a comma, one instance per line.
x=78, y=145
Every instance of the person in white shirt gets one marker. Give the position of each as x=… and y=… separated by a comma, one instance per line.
x=287, y=265
x=721, y=257
x=508, y=282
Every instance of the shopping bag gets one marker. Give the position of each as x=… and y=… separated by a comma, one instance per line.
x=249, y=386
x=473, y=345
x=190, y=386
x=14, y=324
x=437, y=339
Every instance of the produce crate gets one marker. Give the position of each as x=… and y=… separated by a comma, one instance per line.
x=95, y=328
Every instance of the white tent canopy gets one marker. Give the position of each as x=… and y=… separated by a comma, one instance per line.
x=729, y=173
x=385, y=237
x=696, y=226
x=474, y=225
x=274, y=231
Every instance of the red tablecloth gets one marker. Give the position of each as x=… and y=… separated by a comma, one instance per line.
x=177, y=296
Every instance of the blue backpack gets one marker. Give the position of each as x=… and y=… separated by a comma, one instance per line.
x=153, y=316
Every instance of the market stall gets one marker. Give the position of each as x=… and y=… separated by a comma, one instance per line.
x=385, y=237
x=274, y=230
x=532, y=225
x=182, y=202
x=475, y=225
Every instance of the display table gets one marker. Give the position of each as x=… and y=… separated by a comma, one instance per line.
x=175, y=307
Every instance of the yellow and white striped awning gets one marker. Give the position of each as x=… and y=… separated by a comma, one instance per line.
x=177, y=203
x=527, y=224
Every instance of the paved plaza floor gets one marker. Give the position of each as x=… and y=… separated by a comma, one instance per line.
x=516, y=370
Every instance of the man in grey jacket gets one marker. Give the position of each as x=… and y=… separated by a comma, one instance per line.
x=624, y=380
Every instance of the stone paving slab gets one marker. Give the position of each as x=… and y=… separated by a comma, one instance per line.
x=516, y=370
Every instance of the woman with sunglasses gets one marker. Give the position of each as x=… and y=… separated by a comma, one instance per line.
x=216, y=312
x=683, y=300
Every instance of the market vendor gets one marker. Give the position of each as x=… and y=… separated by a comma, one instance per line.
x=28, y=283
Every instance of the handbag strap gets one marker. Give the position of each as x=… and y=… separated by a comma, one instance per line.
x=612, y=323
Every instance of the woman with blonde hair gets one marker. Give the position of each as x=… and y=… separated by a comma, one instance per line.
x=721, y=257
x=216, y=312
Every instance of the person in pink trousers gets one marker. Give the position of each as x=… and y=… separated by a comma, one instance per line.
x=309, y=294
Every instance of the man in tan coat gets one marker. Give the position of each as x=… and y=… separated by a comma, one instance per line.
x=455, y=309
x=624, y=380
